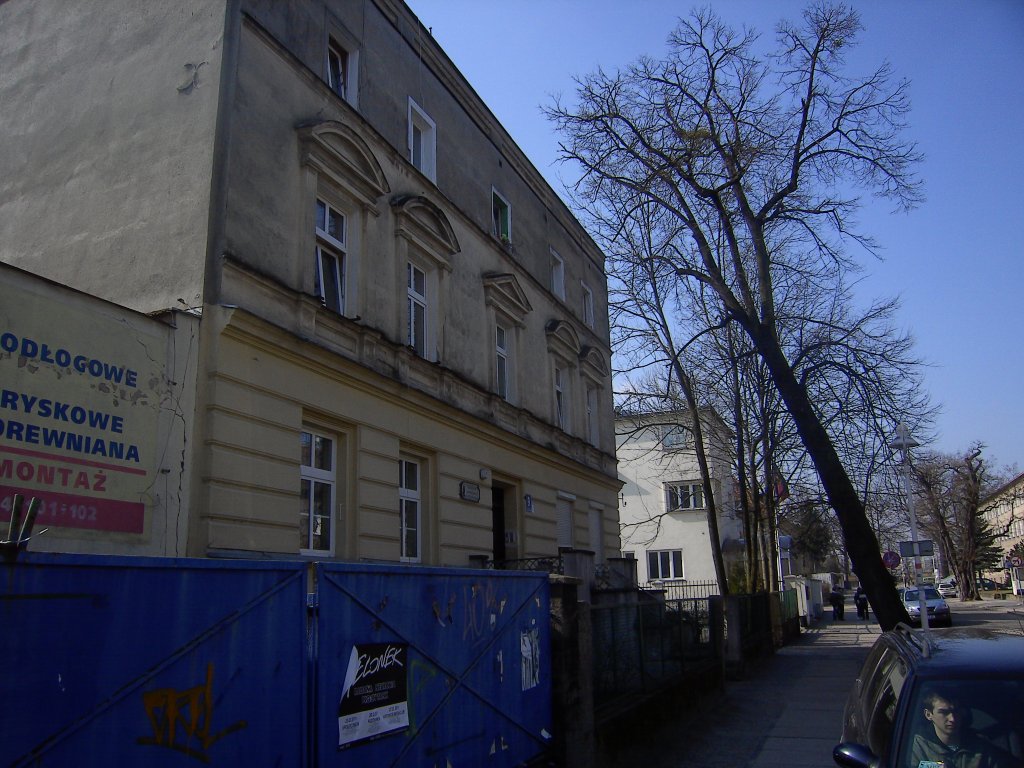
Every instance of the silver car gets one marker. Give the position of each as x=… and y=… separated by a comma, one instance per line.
x=938, y=610
x=947, y=588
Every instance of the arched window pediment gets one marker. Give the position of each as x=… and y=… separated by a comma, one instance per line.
x=423, y=223
x=593, y=364
x=563, y=339
x=339, y=153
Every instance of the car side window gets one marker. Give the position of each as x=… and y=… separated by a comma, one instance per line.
x=886, y=688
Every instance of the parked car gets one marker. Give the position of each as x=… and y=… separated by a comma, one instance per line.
x=946, y=587
x=885, y=723
x=938, y=610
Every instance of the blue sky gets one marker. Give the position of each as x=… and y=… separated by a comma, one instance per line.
x=956, y=262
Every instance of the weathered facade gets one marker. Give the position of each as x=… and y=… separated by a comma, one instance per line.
x=1004, y=512
x=664, y=514
x=403, y=351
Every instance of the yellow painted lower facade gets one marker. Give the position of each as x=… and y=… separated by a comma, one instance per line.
x=481, y=490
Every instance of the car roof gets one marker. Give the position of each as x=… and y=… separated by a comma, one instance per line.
x=963, y=652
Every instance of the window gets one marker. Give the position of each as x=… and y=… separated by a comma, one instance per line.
x=330, y=256
x=501, y=361
x=561, y=398
x=337, y=68
x=593, y=431
x=422, y=141
x=587, y=310
x=409, y=498
x=501, y=217
x=664, y=564
x=416, y=285
x=675, y=437
x=564, y=513
x=557, y=275
x=684, y=496
x=316, y=472
x=341, y=69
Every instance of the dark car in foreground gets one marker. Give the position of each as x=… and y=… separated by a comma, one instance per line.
x=969, y=682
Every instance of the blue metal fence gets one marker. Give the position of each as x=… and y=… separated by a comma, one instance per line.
x=170, y=662
x=137, y=661
x=474, y=649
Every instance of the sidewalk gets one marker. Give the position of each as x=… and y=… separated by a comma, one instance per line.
x=786, y=713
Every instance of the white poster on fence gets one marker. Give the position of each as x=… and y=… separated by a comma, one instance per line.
x=374, y=698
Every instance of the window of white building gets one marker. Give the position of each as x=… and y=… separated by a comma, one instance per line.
x=665, y=564
x=684, y=496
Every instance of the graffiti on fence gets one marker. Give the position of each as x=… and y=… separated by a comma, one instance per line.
x=482, y=608
x=182, y=720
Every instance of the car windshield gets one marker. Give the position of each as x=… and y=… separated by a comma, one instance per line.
x=982, y=717
x=910, y=596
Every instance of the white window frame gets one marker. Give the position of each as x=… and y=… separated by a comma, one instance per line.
x=422, y=153
x=673, y=558
x=557, y=275
x=676, y=437
x=688, y=496
x=501, y=217
x=410, y=502
x=502, y=360
x=348, y=60
x=331, y=248
x=588, y=305
x=417, y=302
x=593, y=408
x=318, y=476
x=562, y=396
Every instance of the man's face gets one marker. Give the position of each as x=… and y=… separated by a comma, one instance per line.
x=946, y=716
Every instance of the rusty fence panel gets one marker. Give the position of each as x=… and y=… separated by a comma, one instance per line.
x=152, y=662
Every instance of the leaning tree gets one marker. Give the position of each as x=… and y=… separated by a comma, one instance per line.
x=754, y=164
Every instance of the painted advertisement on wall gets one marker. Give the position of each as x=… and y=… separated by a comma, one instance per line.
x=374, y=698
x=80, y=390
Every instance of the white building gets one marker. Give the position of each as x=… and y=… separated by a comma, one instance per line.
x=663, y=507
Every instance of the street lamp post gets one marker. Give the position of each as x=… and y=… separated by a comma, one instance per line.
x=903, y=443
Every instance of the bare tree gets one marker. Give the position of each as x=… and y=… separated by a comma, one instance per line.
x=950, y=489
x=752, y=185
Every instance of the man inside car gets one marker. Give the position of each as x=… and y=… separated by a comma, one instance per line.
x=947, y=741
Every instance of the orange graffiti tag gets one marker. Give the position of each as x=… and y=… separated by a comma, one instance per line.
x=181, y=720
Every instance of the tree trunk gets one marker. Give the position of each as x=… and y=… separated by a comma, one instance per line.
x=860, y=539
x=710, y=503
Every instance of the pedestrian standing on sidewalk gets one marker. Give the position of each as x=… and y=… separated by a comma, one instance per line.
x=837, y=600
x=860, y=599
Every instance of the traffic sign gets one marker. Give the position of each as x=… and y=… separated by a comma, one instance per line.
x=890, y=559
x=924, y=548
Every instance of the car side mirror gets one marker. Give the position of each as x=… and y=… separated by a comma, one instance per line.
x=851, y=755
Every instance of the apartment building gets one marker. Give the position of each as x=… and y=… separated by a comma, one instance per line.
x=664, y=507
x=398, y=330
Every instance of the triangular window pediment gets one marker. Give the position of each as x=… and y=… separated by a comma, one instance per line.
x=504, y=292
